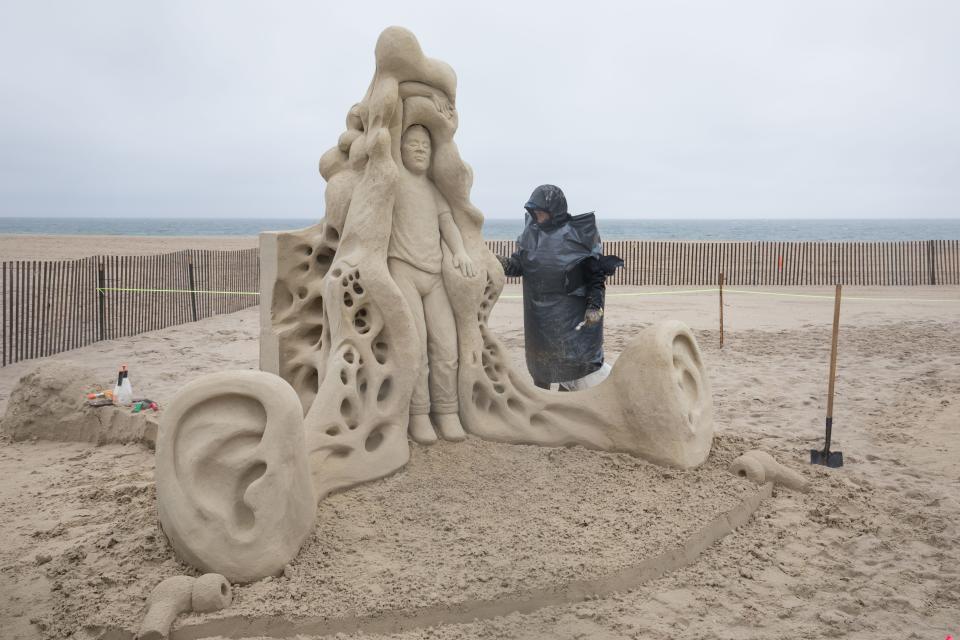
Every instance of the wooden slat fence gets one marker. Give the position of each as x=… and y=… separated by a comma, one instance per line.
x=54, y=306
x=674, y=263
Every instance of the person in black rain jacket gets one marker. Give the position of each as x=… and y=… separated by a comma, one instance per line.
x=563, y=268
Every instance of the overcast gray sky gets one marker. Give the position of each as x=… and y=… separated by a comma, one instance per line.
x=692, y=109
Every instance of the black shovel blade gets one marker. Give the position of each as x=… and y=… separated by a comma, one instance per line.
x=832, y=459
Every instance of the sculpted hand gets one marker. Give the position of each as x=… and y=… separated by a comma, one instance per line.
x=463, y=262
x=592, y=317
x=443, y=105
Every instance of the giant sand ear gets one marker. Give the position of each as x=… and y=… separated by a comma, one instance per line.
x=665, y=396
x=656, y=404
x=233, y=482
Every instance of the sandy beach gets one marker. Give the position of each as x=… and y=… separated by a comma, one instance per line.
x=323, y=425
x=49, y=247
x=871, y=552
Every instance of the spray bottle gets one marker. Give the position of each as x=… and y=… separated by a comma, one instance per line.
x=126, y=389
x=116, y=388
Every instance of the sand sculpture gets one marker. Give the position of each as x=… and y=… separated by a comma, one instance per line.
x=760, y=467
x=394, y=281
x=182, y=594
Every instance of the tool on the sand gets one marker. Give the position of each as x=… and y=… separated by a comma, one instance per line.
x=826, y=457
x=142, y=404
x=99, y=398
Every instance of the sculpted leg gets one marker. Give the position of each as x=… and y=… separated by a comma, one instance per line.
x=442, y=357
x=421, y=431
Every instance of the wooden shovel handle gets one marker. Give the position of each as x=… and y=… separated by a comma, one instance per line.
x=833, y=353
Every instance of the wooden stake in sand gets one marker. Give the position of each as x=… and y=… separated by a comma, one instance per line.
x=721, y=310
x=193, y=285
x=826, y=457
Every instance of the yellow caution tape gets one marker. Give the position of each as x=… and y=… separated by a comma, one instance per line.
x=231, y=293
x=609, y=295
x=769, y=293
x=830, y=297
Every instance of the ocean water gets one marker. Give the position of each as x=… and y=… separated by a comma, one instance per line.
x=508, y=229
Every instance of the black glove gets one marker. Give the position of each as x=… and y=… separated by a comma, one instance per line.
x=504, y=262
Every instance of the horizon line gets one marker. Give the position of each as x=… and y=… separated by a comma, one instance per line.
x=518, y=218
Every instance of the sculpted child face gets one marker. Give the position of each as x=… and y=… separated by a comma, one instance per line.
x=415, y=149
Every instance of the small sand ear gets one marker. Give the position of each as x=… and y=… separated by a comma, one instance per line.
x=211, y=592
x=233, y=482
x=760, y=467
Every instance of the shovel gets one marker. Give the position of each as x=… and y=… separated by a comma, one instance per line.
x=826, y=457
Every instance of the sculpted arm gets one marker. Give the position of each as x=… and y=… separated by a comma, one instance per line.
x=451, y=235
x=441, y=101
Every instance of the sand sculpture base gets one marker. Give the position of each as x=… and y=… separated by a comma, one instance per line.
x=48, y=404
x=453, y=537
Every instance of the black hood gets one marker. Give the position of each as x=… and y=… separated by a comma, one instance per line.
x=549, y=198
